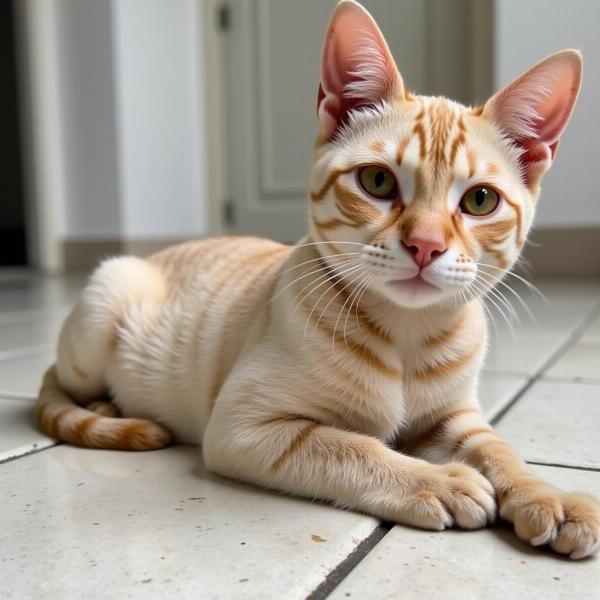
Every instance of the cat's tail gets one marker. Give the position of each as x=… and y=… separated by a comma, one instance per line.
x=60, y=417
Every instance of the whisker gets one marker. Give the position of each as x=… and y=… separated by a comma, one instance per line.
x=333, y=299
x=498, y=308
x=328, y=275
x=518, y=296
x=360, y=275
x=530, y=285
x=350, y=295
x=300, y=277
x=329, y=242
x=319, y=258
x=358, y=298
x=348, y=270
x=499, y=295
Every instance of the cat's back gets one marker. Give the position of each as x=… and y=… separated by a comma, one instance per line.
x=219, y=265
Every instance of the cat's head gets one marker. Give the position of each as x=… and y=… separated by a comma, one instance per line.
x=423, y=198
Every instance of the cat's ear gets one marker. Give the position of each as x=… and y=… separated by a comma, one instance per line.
x=357, y=68
x=533, y=110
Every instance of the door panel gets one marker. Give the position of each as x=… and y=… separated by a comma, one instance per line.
x=272, y=65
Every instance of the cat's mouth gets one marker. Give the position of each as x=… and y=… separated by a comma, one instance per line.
x=416, y=283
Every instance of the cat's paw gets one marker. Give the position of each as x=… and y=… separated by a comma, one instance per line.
x=450, y=494
x=542, y=514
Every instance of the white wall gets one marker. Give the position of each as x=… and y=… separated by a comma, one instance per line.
x=159, y=107
x=527, y=31
x=133, y=129
x=92, y=195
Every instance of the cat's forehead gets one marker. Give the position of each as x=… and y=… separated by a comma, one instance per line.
x=441, y=132
x=394, y=119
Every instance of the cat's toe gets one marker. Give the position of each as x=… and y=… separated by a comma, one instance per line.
x=579, y=534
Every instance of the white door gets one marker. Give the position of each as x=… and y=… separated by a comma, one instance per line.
x=271, y=70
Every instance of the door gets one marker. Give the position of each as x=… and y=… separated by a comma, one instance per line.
x=271, y=74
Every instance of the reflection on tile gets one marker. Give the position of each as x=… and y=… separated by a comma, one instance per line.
x=156, y=525
x=471, y=565
x=22, y=375
x=18, y=431
x=496, y=391
x=556, y=423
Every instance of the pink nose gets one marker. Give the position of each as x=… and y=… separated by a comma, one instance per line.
x=424, y=251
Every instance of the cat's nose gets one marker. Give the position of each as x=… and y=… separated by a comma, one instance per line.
x=424, y=250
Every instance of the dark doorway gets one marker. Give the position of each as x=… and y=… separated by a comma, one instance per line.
x=12, y=205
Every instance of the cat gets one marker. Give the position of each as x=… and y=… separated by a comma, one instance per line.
x=346, y=367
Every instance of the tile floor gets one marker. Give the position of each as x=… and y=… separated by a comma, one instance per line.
x=78, y=523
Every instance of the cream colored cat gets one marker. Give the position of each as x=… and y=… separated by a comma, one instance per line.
x=345, y=367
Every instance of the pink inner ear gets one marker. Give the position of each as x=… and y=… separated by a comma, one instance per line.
x=357, y=67
x=534, y=110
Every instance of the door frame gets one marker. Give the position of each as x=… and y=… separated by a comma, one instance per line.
x=42, y=129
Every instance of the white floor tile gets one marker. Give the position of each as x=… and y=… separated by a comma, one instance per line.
x=27, y=332
x=19, y=434
x=31, y=292
x=566, y=304
x=496, y=391
x=556, y=423
x=525, y=353
x=580, y=362
x=592, y=333
x=460, y=565
x=22, y=375
x=91, y=524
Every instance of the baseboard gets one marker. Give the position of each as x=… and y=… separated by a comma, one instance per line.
x=564, y=252
x=82, y=255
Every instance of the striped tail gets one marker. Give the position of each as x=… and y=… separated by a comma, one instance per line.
x=60, y=417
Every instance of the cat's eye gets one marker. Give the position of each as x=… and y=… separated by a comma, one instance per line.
x=378, y=182
x=480, y=201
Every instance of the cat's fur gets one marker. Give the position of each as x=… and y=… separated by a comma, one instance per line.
x=297, y=368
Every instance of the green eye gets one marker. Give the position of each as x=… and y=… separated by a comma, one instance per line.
x=378, y=182
x=480, y=201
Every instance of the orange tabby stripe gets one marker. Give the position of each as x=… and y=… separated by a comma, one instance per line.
x=353, y=207
x=443, y=369
x=362, y=352
x=437, y=430
x=294, y=446
x=517, y=210
x=265, y=261
x=333, y=224
x=464, y=437
x=447, y=335
x=331, y=179
x=494, y=233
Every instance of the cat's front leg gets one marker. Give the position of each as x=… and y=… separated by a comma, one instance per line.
x=296, y=454
x=542, y=514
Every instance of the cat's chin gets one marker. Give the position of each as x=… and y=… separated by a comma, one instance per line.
x=413, y=293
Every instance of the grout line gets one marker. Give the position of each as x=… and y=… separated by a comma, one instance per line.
x=343, y=569
x=15, y=457
x=561, y=466
x=569, y=341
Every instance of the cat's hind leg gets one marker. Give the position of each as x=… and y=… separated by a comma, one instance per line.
x=87, y=346
x=88, y=338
